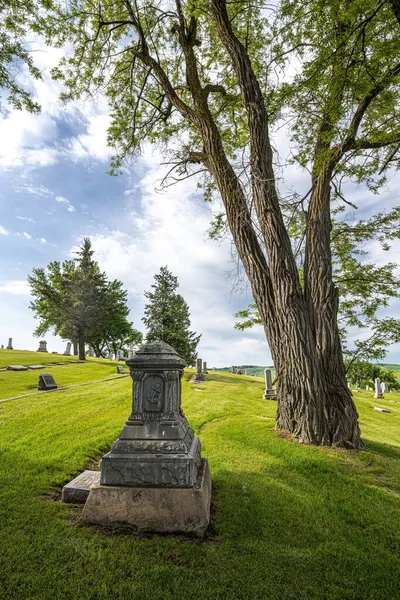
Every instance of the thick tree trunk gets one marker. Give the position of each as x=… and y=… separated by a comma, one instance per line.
x=81, y=346
x=75, y=347
x=322, y=301
x=309, y=406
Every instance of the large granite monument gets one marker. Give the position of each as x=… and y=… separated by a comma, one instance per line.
x=154, y=477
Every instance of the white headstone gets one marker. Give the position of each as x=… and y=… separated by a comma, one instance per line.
x=378, y=388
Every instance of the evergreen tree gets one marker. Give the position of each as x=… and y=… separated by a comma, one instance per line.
x=167, y=317
x=76, y=300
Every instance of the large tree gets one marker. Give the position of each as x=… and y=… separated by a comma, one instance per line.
x=167, y=316
x=78, y=302
x=209, y=79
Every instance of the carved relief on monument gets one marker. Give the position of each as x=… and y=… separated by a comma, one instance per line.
x=153, y=393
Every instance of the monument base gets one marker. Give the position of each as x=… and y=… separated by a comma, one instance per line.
x=157, y=509
x=269, y=396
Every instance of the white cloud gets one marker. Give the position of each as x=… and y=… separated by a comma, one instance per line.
x=43, y=240
x=27, y=236
x=169, y=228
x=65, y=202
x=3, y=231
x=29, y=219
x=16, y=287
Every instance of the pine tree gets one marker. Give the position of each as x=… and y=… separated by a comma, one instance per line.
x=167, y=317
x=78, y=302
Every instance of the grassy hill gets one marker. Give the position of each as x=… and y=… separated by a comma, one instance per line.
x=289, y=522
x=16, y=383
x=254, y=371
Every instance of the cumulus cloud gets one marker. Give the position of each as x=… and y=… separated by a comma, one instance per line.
x=169, y=228
x=66, y=203
x=3, y=231
x=27, y=236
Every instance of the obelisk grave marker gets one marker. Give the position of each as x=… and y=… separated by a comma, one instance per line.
x=154, y=478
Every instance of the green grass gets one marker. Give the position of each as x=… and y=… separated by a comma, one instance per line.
x=17, y=383
x=288, y=521
x=25, y=358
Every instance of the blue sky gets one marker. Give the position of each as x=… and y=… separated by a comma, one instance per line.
x=54, y=190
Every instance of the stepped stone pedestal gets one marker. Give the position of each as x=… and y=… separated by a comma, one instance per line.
x=154, y=478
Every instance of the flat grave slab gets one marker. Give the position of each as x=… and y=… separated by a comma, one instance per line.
x=35, y=367
x=384, y=410
x=16, y=368
x=77, y=490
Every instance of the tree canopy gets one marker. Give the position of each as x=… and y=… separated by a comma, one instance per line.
x=78, y=302
x=214, y=83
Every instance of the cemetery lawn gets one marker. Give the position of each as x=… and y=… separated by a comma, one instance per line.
x=288, y=521
x=18, y=383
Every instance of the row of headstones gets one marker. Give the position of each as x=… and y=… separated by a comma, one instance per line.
x=43, y=348
x=381, y=387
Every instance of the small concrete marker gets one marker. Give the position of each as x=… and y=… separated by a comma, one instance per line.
x=35, y=367
x=77, y=490
x=385, y=410
x=16, y=368
x=120, y=369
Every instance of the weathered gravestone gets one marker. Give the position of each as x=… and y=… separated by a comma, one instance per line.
x=2, y=347
x=154, y=477
x=68, y=349
x=233, y=369
x=378, y=388
x=269, y=393
x=120, y=369
x=42, y=346
x=204, y=366
x=46, y=382
x=91, y=352
x=130, y=354
x=77, y=490
x=198, y=377
x=10, y=346
x=17, y=368
x=385, y=387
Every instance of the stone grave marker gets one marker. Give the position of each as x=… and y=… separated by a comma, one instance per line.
x=378, y=388
x=120, y=369
x=2, y=347
x=46, y=382
x=384, y=410
x=10, y=346
x=154, y=477
x=68, y=349
x=269, y=393
x=42, y=346
x=91, y=352
x=16, y=368
x=198, y=377
x=35, y=367
x=204, y=366
x=385, y=387
x=77, y=490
